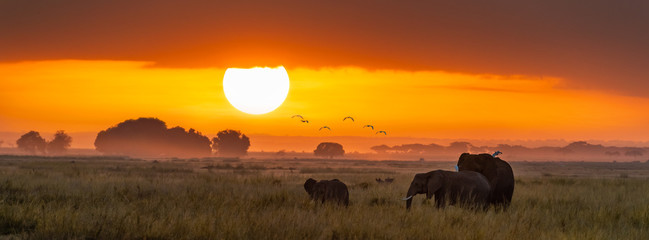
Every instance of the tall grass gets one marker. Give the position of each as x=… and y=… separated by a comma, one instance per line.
x=117, y=199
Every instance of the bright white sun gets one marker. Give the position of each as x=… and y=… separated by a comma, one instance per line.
x=256, y=90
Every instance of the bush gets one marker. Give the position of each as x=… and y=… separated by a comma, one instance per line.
x=329, y=149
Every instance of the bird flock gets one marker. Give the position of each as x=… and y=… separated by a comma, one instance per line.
x=327, y=128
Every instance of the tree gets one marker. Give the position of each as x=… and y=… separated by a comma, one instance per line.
x=633, y=153
x=329, y=149
x=459, y=147
x=187, y=143
x=381, y=148
x=32, y=142
x=60, y=143
x=231, y=143
x=150, y=137
x=281, y=153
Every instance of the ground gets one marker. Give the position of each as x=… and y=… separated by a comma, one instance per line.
x=117, y=198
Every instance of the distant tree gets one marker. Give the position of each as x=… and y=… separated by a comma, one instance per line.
x=612, y=153
x=150, y=137
x=60, y=143
x=32, y=142
x=187, y=143
x=459, y=147
x=634, y=153
x=329, y=149
x=231, y=143
x=381, y=148
x=281, y=153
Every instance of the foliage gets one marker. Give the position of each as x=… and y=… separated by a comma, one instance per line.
x=231, y=143
x=32, y=142
x=60, y=143
x=329, y=149
x=150, y=137
x=381, y=148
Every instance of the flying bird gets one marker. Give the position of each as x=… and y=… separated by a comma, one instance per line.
x=305, y=121
x=324, y=128
x=384, y=133
x=299, y=116
x=496, y=153
x=349, y=118
x=369, y=126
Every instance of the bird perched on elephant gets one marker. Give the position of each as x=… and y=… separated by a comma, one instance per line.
x=498, y=172
x=327, y=191
x=468, y=189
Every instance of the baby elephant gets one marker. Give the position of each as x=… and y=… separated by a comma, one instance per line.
x=327, y=191
x=467, y=188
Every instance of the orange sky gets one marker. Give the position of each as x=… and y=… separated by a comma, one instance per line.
x=503, y=69
x=89, y=96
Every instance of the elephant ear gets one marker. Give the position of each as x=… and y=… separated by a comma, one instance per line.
x=434, y=183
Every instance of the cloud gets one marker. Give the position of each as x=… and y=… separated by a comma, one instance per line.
x=598, y=44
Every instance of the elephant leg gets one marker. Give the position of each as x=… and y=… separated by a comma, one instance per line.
x=440, y=202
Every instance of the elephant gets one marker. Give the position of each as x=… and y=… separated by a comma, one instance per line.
x=468, y=189
x=327, y=191
x=498, y=172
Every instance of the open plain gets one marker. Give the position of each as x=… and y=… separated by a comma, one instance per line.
x=220, y=198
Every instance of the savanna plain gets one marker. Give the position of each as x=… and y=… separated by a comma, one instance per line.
x=220, y=198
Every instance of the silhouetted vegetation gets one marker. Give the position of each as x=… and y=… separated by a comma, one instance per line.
x=60, y=143
x=231, y=143
x=633, y=153
x=32, y=142
x=329, y=149
x=150, y=137
x=579, y=149
x=381, y=148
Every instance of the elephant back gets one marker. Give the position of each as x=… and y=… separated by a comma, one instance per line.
x=498, y=172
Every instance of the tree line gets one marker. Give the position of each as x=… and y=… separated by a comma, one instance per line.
x=33, y=143
x=150, y=137
x=574, y=148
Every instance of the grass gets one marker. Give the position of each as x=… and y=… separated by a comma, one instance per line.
x=118, y=198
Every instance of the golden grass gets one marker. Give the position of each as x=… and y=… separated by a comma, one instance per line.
x=104, y=198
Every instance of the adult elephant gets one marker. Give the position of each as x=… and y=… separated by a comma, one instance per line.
x=498, y=172
x=327, y=191
x=469, y=189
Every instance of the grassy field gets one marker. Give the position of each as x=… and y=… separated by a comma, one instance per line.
x=117, y=198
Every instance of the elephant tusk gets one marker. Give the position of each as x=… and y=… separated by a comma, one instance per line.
x=407, y=198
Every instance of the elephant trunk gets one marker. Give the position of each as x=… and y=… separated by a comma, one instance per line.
x=411, y=193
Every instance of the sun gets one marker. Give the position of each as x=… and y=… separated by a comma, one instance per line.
x=256, y=90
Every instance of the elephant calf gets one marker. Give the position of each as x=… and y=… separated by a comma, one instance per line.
x=466, y=188
x=327, y=191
